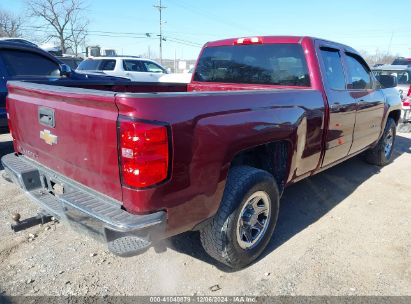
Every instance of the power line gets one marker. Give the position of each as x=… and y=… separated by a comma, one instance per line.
x=211, y=16
x=143, y=35
x=121, y=35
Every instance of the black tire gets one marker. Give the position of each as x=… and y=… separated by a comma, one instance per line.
x=377, y=155
x=219, y=236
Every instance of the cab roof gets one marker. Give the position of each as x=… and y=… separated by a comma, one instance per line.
x=278, y=39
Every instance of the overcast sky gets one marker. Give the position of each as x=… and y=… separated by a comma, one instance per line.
x=365, y=25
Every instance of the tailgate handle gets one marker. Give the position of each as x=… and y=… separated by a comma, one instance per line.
x=46, y=117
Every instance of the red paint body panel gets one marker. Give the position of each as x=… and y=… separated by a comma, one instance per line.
x=210, y=124
x=209, y=129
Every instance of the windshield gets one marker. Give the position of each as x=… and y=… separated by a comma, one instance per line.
x=97, y=65
x=271, y=64
x=403, y=77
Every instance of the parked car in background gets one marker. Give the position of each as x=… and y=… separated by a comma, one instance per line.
x=20, y=60
x=133, y=68
x=403, y=75
x=402, y=61
x=177, y=77
x=71, y=61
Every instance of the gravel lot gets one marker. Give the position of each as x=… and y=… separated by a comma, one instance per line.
x=346, y=231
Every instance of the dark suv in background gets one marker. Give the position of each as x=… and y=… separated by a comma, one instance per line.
x=402, y=61
x=26, y=62
x=72, y=62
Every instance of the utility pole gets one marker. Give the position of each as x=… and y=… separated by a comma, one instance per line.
x=160, y=8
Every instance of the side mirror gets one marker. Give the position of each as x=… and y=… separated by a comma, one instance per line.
x=65, y=70
x=168, y=71
x=387, y=81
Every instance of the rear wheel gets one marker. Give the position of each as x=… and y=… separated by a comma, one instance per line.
x=245, y=221
x=381, y=154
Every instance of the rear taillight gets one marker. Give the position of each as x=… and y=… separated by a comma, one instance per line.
x=406, y=100
x=144, y=153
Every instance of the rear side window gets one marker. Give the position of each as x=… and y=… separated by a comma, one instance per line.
x=22, y=63
x=333, y=69
x=271, y=64
x=89, y=65
x=97, y=65
x=360, y=75
x=134, y=66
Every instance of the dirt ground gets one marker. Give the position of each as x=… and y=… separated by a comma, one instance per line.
x=346, y=231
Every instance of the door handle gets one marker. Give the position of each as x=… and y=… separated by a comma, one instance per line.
x=46, y=117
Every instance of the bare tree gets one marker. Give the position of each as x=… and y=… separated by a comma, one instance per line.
x=65, y=17
x=379, y=57
x=78, y=33
x=10, y=25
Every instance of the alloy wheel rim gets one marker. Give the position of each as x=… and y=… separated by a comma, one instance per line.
x=389, y=139
x=253, y=220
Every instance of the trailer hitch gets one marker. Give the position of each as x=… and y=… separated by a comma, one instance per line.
x=39, y=219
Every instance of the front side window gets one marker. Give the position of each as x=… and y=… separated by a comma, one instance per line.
x=360, y=75
x=153, y=68
x=270, y=64
x=333, y=68
x=133, y=66
x=23, y=63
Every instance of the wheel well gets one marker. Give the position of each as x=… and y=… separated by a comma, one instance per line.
x=396, y=115
x=272, y=157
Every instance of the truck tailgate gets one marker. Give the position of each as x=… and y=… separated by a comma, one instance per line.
x=69, y=130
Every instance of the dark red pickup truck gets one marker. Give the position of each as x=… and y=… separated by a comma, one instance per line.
x=136, y=163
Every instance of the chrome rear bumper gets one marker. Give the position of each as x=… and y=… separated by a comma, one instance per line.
x=102, y=217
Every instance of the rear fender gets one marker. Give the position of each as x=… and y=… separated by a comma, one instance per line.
x=218, y=139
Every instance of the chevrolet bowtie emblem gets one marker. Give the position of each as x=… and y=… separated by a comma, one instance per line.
x=49, y=138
